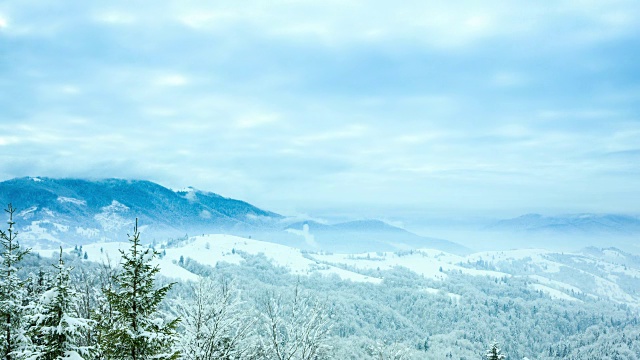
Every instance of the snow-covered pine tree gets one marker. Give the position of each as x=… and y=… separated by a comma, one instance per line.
x=57, y=329
x=103, y=312
x=494, y=352
x=136, y=331
x=12, y=293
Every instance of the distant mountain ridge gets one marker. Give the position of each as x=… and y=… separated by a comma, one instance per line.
x=576, y=224
x=55, y=212
x=359, y=235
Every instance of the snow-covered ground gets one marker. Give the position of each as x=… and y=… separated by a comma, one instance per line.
x=211, y=249
x=433, y=264
x=568, y=277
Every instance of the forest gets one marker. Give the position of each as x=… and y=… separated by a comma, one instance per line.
x=72, y=308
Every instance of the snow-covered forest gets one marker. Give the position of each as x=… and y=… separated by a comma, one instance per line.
x=319, y=180
x=68, y=307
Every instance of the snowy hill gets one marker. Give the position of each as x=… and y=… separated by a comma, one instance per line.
x=211, y=249
x=54, y=212
x=609, y=274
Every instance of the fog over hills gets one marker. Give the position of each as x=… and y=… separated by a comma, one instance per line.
x=76, y=211
x=374, y=275
x=592, y=224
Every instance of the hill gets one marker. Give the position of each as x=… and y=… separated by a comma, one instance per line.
x=54, y=212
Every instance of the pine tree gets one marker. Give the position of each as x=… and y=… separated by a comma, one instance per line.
x=12, y=293
x=494, y=353
x=136, y=331
x=57, y=329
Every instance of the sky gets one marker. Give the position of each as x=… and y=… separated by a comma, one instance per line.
x=309, y=107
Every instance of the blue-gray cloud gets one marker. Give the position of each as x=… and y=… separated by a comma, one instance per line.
x=296, y=106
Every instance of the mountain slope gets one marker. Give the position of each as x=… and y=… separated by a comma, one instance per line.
x=55, y=212
x=81, y=211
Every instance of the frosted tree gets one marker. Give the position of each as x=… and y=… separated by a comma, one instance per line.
x=88, y=292
x=494, y=352
x=296, y=331
x=212, y=323
x=135, y=330
x=103, y=312
x=12, y=293
x=394, y=351
x=57, y=330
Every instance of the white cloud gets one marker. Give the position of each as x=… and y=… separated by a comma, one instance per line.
x=308, y=237
x=256, y=120
x=203, y=20
x=509, y=79
x=171, y=80
x=349, y=132
x=70, y=89
x=9, y=140
x=115, y=17
x=388, y=96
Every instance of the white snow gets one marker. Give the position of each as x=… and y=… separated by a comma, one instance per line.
x=536, y=256
x=60, y=227
x=553, y=293
x=555, y=284
x=431, y=264
x=455, y=297
x=611, y=290
x=109, y=253
x=110, y=218
x=72, y=355
x=211, y=249
x=87, y=232
x=36, y=232
x=549, y=274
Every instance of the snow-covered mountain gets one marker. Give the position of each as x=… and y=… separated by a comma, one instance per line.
x=573, y=224
x=74, y=211
x=563, y=232
x=69, y=212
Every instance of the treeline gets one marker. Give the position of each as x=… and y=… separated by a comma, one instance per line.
x=122, y=313
x=46, y=318
x=259, y=311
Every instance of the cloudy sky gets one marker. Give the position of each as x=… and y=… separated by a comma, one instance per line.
x=299, y=106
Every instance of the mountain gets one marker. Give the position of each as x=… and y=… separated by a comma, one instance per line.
x=54, y=212
x=75, y=211
x=564, y=232
x=367, y=235
x=576, y=224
